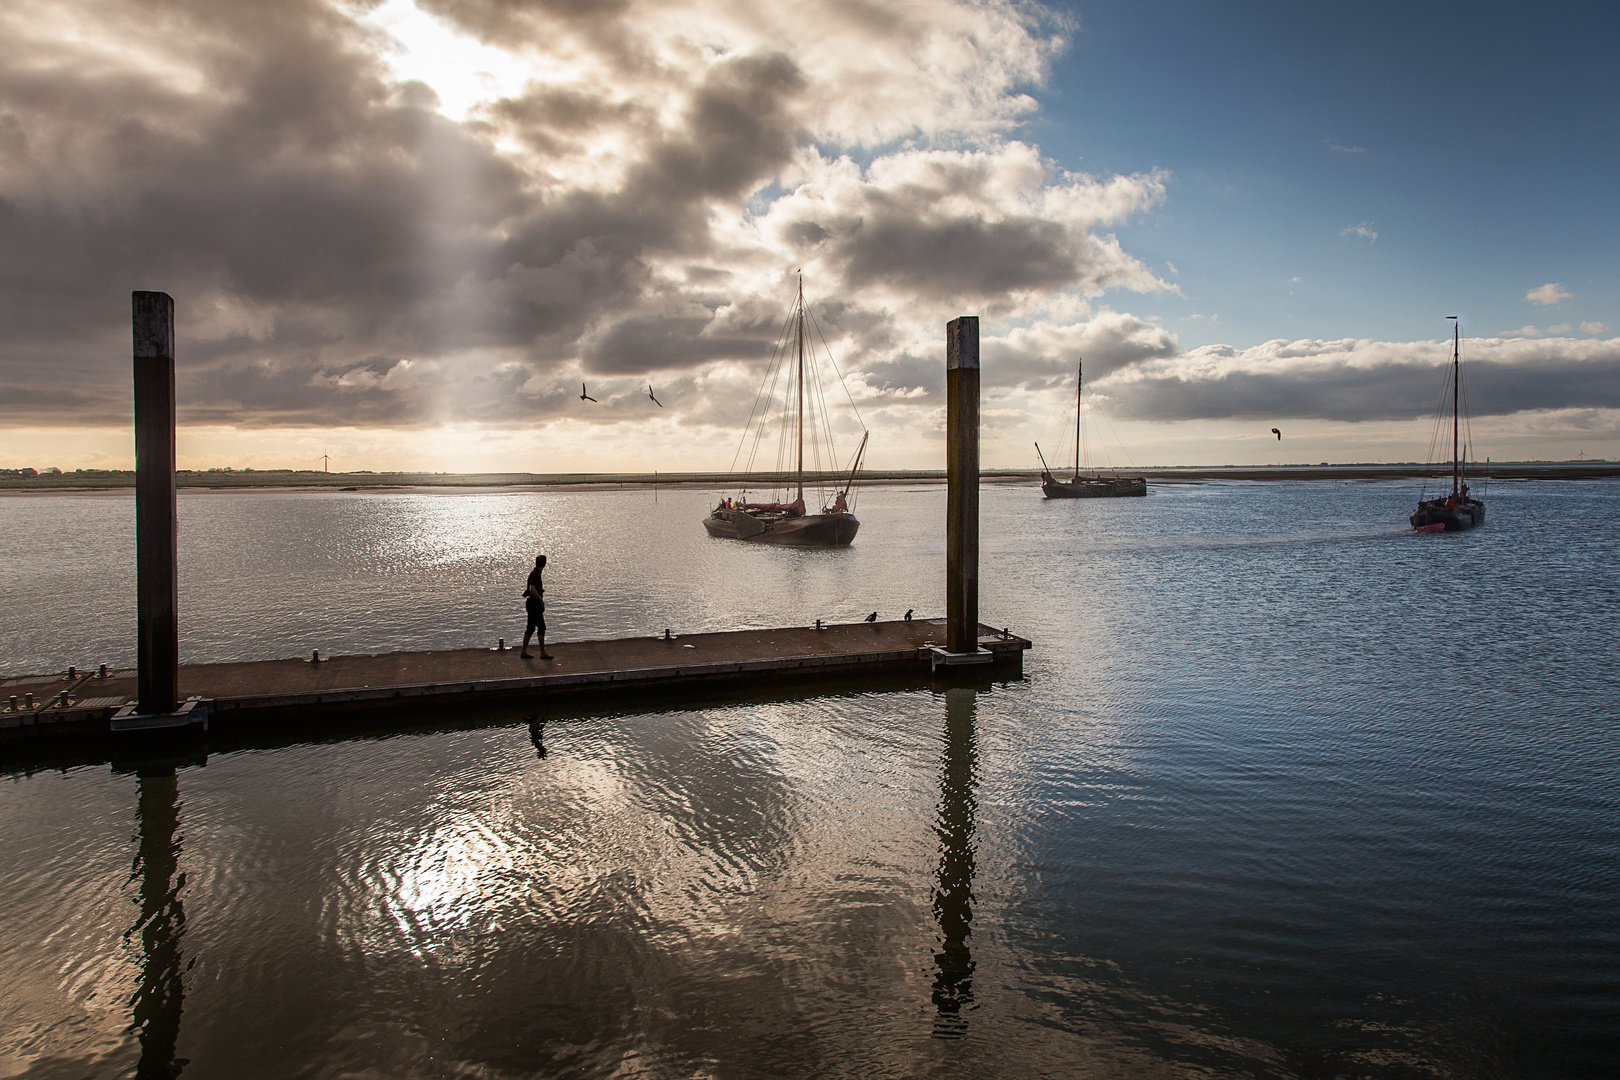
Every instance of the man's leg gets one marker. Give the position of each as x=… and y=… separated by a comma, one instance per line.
x=526, y=632
x=543, y=654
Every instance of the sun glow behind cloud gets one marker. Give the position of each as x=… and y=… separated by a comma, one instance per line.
x=463, y=71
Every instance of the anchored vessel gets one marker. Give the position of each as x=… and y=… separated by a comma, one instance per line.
x=1459, y=510
x=1085, y=487
x=784, y=521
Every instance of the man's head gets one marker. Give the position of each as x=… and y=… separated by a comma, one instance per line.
x=540, y=561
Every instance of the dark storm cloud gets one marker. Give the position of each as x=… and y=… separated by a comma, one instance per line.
x=1361, y=381
x=341, y=215
x=341, y=252
x=658, y=343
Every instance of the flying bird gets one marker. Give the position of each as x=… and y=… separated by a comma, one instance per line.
x=583, y=396
x=655, y=401
x=872, y=617
x=908, y=614
x=1277, y=433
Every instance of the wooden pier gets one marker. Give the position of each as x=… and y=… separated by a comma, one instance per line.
x=162, y=695
x=258, y=695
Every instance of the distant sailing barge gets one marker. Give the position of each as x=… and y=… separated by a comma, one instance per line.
x=784, y=522
x=1459, y=510
x=1085, y=487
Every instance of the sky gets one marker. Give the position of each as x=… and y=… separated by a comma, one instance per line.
x=405, y=233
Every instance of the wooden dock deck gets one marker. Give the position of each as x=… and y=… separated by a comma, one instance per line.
x=86, y=703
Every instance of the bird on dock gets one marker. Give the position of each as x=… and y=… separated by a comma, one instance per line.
x=655, y=401
x=1277, y=433
x=908, y=614
x=872, y=617
x=583, y=396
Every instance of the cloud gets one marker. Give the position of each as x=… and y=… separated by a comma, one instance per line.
x=1548, y=295
x=1594, y=328
x=632, y=195
x=1358, y=380
x=1523, y=332
x=628, y=200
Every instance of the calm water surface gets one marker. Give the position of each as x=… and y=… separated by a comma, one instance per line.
x=1286, y=791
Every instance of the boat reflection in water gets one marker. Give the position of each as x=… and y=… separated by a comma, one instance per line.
x=785, y=522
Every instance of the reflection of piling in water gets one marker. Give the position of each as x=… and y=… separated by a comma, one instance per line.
x=156, y=1006
x=953, y=891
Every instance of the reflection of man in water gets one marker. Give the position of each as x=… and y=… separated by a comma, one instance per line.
x=534, y=599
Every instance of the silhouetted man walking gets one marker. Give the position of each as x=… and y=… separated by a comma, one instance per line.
x=534, y=599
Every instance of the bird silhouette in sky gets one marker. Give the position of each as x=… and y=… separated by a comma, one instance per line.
x=655, y=401
x=872, y=617
x=583, y=396
x=1277, y=433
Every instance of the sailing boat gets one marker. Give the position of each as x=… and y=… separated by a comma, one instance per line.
x=1085, y=487
x=782, y=522
x=1459, y=510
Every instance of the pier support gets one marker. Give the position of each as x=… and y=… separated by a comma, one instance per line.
x=962, y=469
x=156, y=600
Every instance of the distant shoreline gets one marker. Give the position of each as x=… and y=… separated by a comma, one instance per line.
x=302, y=480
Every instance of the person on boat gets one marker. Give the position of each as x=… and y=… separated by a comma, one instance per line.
x=1451, y=502
x=1465, y=491
x=534, y=601
x=839, y=506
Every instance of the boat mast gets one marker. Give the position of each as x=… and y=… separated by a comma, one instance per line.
x=799, y=336
x=1456, y=382
x=1079, y=383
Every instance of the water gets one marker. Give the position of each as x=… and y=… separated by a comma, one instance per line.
x=1286, y=791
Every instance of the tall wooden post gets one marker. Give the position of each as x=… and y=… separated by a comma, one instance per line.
x=157, y=683
x=962, y=469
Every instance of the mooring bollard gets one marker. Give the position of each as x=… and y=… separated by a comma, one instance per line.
x=61, y=700
x=666, y=634
x=73, y=672
x=500, y=644
x=101, y=672
x=28, y=701
x=13, y=702
x=818, y=624
x=315, y=656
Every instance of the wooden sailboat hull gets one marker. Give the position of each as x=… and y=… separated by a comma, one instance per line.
x=1468, y=515
x=808, y=530
x=1095, y=489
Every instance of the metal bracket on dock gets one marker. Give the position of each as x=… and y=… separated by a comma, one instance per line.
x=938, y=657
x=193, y=710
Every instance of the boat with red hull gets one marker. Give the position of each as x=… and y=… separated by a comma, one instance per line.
x=785, y=522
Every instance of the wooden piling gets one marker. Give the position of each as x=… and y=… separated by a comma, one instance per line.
x=156, y=600
x=962, y=470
